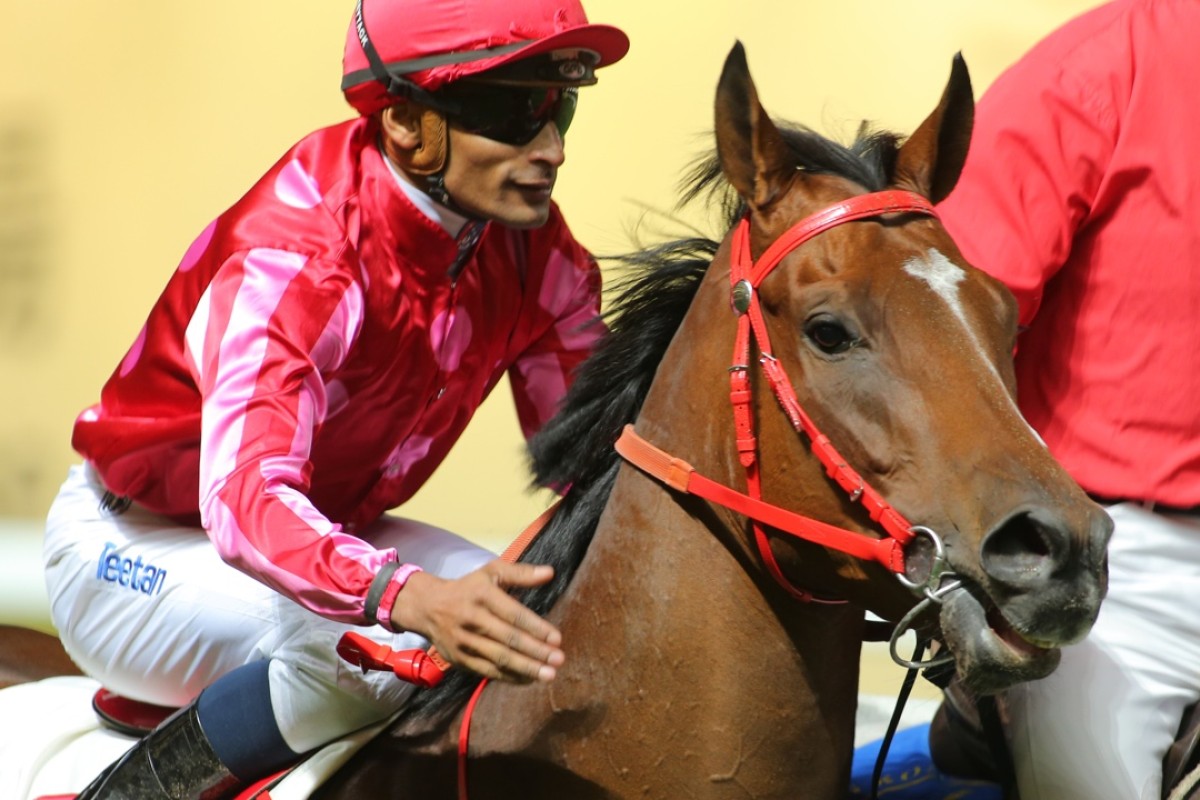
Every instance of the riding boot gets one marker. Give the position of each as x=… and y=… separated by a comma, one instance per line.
x=175, y=761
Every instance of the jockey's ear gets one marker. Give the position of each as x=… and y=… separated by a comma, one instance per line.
x=414, y=137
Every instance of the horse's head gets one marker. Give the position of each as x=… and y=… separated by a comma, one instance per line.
x=901, y=353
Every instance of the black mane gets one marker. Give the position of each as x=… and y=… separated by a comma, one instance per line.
x=649, y=302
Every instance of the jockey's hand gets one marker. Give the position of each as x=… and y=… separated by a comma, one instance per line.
x=476, y=624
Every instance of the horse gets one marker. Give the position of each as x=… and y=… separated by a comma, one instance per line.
x=709, y=654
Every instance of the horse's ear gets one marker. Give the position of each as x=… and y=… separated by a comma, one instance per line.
x=753, y=154
x=932, y=158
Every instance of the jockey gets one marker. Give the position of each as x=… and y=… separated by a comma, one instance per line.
x=311, y=361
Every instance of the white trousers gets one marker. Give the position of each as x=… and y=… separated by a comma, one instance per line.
x=1098, y=727
x=146, y=606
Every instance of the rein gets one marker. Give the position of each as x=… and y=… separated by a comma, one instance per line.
x=427, y=668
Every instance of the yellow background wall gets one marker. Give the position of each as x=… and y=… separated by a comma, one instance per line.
x=126, y=126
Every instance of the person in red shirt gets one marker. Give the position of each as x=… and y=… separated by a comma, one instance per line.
x=1082, y=193
x=313, y=358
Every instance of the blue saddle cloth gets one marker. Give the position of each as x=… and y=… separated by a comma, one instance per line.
x=909, y=772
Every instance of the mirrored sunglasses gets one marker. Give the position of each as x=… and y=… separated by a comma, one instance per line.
x=509, y=114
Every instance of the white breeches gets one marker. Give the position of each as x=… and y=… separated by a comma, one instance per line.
x=146, y=606
x=1098, y=727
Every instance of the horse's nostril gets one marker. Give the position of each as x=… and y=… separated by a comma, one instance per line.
x=1019, y=550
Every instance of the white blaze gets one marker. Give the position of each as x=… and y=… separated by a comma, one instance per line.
x=944, y=277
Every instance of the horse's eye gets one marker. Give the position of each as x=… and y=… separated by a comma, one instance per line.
x=829, y=335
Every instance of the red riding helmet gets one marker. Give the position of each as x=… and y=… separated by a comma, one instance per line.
x=421, y=45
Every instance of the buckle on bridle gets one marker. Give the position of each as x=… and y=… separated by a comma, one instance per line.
x=741, y=295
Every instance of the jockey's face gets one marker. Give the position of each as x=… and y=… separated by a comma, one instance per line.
x=510, y=184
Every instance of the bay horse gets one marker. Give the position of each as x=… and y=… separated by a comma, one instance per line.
x=706, y=655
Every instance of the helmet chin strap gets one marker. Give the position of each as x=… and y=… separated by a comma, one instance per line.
x=435, y=187
x=433, y=184
x=427, y=163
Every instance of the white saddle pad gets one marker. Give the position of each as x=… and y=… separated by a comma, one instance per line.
x=51, y=742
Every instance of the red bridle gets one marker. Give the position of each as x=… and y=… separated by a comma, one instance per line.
x=745, y=275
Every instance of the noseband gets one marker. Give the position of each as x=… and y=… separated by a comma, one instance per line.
x=745, y=275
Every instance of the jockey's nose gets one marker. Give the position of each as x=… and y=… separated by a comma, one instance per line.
x=548, y=146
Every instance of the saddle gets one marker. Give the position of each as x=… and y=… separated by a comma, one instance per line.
x=961, y=745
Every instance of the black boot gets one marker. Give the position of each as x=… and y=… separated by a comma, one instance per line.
x=173, y=762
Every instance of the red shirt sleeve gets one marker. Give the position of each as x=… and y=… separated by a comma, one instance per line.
x=269, y=323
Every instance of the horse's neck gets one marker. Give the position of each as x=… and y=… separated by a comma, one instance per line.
x=689, y=672
x=669, y=634
x=669, y=563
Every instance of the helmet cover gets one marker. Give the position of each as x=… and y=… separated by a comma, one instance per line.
x=434, y=42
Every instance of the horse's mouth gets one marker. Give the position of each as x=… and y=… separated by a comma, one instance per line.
x=991, y=652
x=1013, y=638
